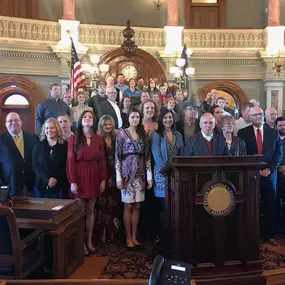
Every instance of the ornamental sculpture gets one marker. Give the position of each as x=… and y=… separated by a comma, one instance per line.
x=129, y=45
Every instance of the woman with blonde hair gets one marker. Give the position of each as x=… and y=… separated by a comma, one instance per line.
x=49, y=162
x=107, y=206
x=80, y=107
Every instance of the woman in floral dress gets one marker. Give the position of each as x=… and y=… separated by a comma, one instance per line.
x=133, y=168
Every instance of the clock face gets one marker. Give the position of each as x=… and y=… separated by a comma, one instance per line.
x=129, y=72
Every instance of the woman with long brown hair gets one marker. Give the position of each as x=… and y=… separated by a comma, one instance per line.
x=133, y=168
x=86, y=169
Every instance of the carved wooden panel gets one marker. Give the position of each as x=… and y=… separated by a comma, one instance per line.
x=146, y=65
x=205, y=15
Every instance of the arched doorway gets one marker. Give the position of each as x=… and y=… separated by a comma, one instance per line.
x=234, y=94
x=142, y=65
x=19, y=94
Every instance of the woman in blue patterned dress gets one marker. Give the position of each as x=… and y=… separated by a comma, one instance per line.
x=133, y=167
x=166, y=144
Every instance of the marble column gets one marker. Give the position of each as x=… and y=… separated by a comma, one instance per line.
x=172, y=13
x=273, y=12
x=69, y=9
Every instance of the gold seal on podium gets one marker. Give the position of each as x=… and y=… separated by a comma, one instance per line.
x=219, y=199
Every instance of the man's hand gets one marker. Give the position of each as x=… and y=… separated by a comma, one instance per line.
x=265, y=172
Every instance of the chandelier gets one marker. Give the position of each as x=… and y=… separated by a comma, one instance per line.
x=93, y=70
x=180, y=73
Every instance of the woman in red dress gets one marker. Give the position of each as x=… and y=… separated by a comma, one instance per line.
x=86, y=169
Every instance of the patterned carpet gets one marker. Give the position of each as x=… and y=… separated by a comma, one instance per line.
x=124, y=263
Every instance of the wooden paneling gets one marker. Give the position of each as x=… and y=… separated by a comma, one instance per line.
x=19, y=8
x=205, y=15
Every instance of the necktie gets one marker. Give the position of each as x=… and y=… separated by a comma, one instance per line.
x=18, y=144
x=259, y=141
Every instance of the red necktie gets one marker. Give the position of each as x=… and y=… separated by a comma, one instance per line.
x=259, y=141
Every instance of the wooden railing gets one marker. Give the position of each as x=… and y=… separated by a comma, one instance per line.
x=81, y=282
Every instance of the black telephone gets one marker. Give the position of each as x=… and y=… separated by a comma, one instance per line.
x=166, y=272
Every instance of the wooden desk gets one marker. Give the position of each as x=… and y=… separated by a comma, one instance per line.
x=65, y=226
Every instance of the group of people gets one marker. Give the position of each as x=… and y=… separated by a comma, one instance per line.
x=121, y=153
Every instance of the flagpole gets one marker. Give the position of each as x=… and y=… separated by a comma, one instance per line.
x=70, y=65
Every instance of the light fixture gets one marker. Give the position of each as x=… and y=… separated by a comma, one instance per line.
x=181, y=74
x=94, y=70
x=278, y=65
x=158, y=3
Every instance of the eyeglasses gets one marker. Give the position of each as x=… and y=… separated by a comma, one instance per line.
x=11, y=121
x=230, y=123
x=257, y=114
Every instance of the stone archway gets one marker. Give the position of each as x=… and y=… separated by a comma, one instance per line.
x=144, y=63
x=10, y=85
x=233, y=89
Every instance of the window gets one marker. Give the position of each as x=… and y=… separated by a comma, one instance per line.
x=16, y=99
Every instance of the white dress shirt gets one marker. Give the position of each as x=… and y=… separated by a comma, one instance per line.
x=255, y=131
x=118, y=113
x=208, y=138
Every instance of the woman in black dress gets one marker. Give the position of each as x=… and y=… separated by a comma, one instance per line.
x=107, y=205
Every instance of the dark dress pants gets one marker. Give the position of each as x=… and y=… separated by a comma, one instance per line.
x=268, y=198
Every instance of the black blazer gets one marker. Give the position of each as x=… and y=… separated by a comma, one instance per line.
x=44, y=168
x=238, y=146
x=106, y=108
x=196, y=146
x=272, y=146
x=180, y=128
x=94, y=103
x=15, y=170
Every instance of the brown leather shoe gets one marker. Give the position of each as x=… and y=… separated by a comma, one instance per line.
x=273, y=242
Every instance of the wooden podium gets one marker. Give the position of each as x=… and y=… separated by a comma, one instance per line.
x=212, y=207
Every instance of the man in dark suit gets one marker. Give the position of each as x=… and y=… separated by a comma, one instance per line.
x=261, y=139
x=16, y=147
x=206, y=142
x=280, y=127
x=111, y=108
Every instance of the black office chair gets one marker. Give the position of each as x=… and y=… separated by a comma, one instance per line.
x=18, y=257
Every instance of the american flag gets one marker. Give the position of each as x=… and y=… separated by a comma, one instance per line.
x=77, y=78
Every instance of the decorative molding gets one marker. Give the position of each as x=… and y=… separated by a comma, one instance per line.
x=46, y=31
x=225, y=38
x=112, y=35
x=31, y=30
x=225, y=62
x=28, y=55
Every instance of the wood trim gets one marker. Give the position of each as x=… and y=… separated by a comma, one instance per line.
x=30, y=90
x=226, y=86
x=84, y=282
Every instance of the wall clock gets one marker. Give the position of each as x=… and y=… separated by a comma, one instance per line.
x=129, y=72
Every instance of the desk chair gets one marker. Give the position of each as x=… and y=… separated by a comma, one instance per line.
x=18, y=257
